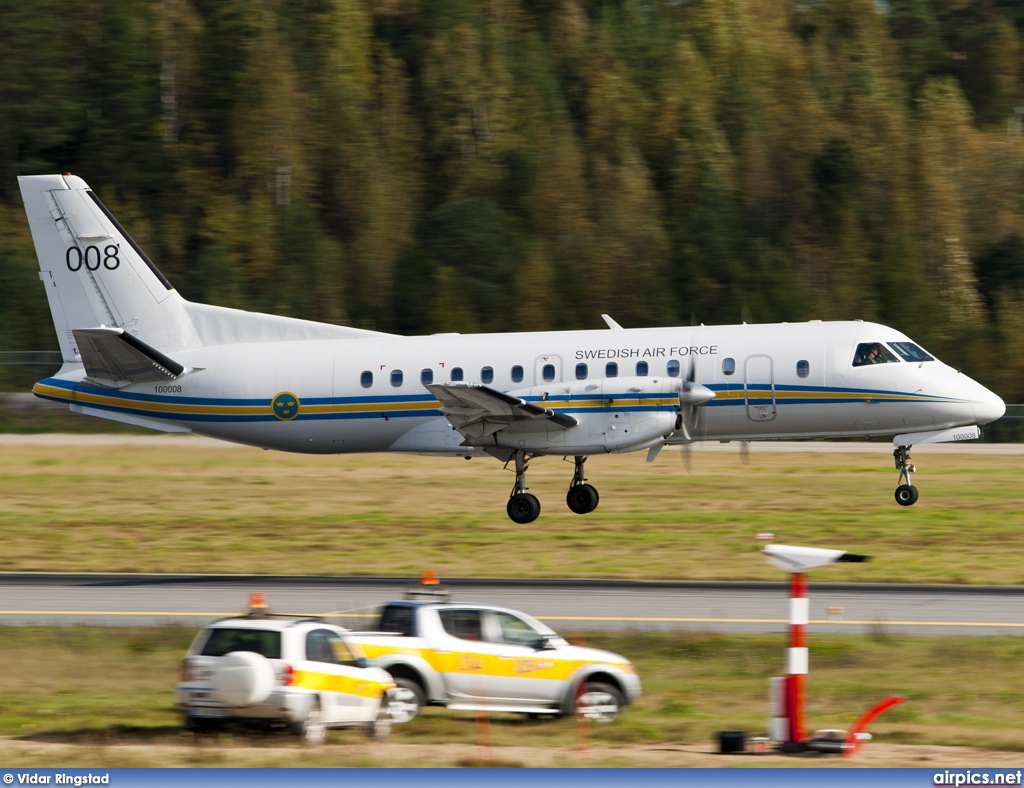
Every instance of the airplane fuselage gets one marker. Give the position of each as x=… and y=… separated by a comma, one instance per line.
x=776, y=381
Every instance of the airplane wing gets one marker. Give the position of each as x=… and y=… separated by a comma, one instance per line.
x=113, y=356
x=475, y=410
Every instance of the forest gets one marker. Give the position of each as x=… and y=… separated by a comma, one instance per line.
x=419, y=166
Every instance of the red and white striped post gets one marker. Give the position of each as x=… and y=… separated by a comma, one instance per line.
x=789, y=696
x=796, y=662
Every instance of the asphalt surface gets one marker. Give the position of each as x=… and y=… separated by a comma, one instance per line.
x=110, y=600
x=567, y=606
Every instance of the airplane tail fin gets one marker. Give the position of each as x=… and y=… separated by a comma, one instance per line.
x=97, y=277
x=95, y=274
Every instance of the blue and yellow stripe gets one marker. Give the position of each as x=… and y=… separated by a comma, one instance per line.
x=424, y=405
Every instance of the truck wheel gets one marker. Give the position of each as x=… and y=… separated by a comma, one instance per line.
x=600, y=702
x=405, y=707
x=311, y=728
x=379, y=728
x=202, y=724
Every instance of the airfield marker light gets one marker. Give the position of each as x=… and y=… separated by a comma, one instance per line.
x=257, y=604
x=429, y=578
x=764, y=536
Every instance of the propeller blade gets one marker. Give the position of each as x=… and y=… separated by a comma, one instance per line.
x=685, y=454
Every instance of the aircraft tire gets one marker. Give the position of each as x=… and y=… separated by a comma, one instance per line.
x=523, y=508
x=906, y=495
x=582, y=498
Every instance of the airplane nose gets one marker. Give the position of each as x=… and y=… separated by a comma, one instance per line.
x=988, y=407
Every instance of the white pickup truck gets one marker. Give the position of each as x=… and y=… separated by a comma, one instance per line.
x=480, y=657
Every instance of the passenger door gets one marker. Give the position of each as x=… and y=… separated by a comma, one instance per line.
x=462, y=657
x=759, y=388
x=331, y=669
x=529, y=675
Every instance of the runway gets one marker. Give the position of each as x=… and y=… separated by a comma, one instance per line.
x=567, y=606
x=754, y=447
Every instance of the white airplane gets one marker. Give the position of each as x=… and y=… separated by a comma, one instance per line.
x=137, y=352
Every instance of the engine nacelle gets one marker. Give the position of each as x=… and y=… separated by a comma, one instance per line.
x=614, y=415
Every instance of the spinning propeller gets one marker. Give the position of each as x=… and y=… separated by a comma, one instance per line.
x=691, y=396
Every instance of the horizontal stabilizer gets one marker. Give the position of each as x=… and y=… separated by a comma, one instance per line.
x=111, y=355
x=476, y=410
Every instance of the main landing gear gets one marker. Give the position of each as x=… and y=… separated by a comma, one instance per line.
x=582, y=498
x=523, y=507
x=906, y=493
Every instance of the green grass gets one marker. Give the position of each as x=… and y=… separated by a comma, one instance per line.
x=237, y=510
x=92, y=687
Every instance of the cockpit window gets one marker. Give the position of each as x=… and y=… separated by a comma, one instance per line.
x=908, y=351
x=873, y=353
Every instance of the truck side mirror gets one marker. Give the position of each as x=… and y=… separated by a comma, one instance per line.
x=544, y=642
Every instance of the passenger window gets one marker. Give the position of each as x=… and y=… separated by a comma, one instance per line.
x=908, y=351
x=548, y=372
x=803, y=369
x=581, y=372
x=463, y=624
x=641, y=368
x=322, y=645
x=427, y=376
x=516, y=631
x=517, y=374
x=611, y=370
x=396, y=378
x=318, y=648
x=366, y=379
x=457, y=374
x=673, y=369
x=487, y=375
x=728, y=366
x=872, y=353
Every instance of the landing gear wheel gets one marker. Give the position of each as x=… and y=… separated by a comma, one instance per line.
x=582, y=498
x=599, y=703
x=906, y=495
x=405, y=708
x=523, y=508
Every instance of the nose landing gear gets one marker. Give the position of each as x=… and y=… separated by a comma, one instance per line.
x=906, y=493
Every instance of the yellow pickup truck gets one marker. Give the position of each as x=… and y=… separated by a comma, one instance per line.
x=481, y=657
